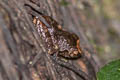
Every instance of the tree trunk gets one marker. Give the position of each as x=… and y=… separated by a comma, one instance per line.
x=20, y=43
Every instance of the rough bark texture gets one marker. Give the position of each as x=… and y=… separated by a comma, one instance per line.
x=19, y=41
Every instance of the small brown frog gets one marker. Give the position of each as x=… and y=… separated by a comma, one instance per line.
x=56, y=39
x=58, y=42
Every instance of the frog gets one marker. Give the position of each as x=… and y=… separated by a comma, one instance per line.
x=60, y=42
x=57, y=39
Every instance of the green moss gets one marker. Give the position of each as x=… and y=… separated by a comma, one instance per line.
x=110, y=71
x=119, y=69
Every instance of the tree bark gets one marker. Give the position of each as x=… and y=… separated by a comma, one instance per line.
x=20, y=43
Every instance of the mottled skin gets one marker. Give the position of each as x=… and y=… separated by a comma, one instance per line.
x=56, y=39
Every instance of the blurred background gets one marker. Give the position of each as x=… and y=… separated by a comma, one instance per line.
x=100, y=21
x=104, y=33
